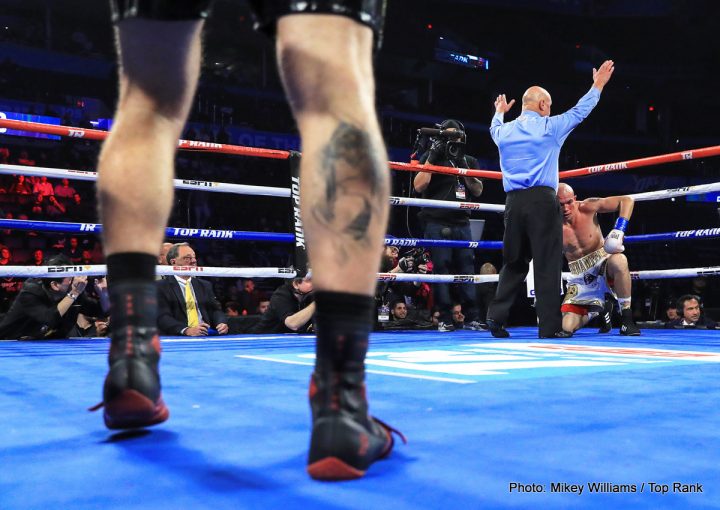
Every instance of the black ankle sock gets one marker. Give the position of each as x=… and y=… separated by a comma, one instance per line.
x=124, y=267
x=131, y=285
x=626, y=314
x=343, y=323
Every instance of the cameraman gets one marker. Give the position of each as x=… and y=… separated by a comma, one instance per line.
x=448, y=149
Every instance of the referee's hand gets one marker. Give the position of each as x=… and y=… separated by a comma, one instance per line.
x=501, y=104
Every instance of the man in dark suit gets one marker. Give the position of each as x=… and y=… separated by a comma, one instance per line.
x=690, y=314
x=187, y=305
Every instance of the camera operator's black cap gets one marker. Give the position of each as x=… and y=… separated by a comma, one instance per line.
x=452, y=123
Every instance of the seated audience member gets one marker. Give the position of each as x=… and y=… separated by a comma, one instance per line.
x=24, y=159
x=457, y=316
x=263, y=306
x=43, y=187
x=435, y=316
x=232, y=309
x=53, y=208
x=250, y=297
x=21, y=186
x=402, y=318
x=671, y=311
x=9, y=286
x=399, y=310
x=187, y=305
x=162, y=257
x=86, y=258
x=64, y=190
x=88, y=327
x=690, y=313
x=73, y=251
x=39, y=258
x=291, y=308
x=48, y=308
x=5, y=255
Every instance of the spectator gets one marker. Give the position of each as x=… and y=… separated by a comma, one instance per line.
x=43, y=187
x=53, y=207
x=457, y=316
x=187, y=305
x=73, y=251
x=399, y=310
x=291, y=308
x=162, y=257
x=689, y=308
x=86, y=258
x=24, y=159
x=9, y=286
x=5, y=255
x=232, y=309
x=39, y=258
x=250, y=297
x=263, y=306
x=671, y=311
x=48, y=308
x=21, y=186
x=64, y=190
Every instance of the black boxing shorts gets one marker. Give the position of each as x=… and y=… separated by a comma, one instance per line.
x=161, y=10
x=368, y=12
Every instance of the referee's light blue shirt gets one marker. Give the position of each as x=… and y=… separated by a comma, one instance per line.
x=530, y=145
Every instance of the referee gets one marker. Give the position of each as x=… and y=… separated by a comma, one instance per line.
x=529, y=148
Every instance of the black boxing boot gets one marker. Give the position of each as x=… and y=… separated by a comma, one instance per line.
x=606, y=317
x=131, y=393
x=345, y=440
x=628, y=327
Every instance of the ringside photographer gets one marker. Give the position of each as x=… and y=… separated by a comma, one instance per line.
x=447, y=148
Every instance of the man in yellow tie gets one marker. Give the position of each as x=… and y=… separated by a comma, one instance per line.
x=186, y=305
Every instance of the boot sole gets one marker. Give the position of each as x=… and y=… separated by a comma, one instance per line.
x=131, y=409
x=332, y=468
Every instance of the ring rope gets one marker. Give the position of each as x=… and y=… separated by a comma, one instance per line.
x=237, y=235
x=279, y=237
x=704, y=152
x=288, y=272
x=96, y=134
x=242, y=189
x=101, y=269
x=676, y=192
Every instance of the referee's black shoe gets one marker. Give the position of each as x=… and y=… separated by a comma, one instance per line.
x=496, y=329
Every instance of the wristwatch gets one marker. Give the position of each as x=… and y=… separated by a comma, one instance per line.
x=72, y=296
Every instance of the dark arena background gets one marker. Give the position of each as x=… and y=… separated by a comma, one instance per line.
x=594, y=421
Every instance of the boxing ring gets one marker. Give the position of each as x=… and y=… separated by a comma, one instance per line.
x=631, y=421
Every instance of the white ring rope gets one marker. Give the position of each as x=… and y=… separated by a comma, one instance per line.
x=288, y=272
x=241, y=189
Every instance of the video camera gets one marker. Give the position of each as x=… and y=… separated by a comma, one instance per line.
x=412, y=259
x=448, y=140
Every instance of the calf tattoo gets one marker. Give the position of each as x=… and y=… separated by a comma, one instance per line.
x=355, y=186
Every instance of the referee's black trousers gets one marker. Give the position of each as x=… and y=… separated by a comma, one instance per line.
x=533, y=230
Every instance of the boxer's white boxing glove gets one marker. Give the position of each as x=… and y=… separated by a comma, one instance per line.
x=614, y=240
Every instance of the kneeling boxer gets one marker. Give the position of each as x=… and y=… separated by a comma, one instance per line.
x=595, y=262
